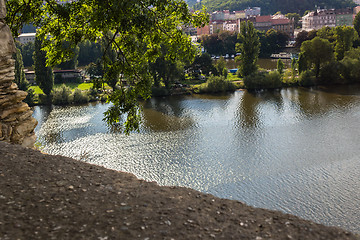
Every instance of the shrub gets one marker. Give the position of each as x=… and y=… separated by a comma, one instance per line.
x=330, y=73
x=216, y=84
x=274, y=79
x=350, y=70
x=30, y=98
x=45, y=99
x=289, y=78
x=262, y=80
x=307, y=78
x=225, y=72
x=80, y=96
x=62, y=95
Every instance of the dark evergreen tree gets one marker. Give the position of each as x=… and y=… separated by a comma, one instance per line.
x=20, y=79
x=248, y=48
x=43, y=75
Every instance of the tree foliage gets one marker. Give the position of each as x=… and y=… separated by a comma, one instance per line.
x=357, y=23
x=135, y=29
x=202, y=64
x=27, y=52
x=43, y=75
x=317, y=52
x=272, y=41
x=220, y=43
x=345, y=36
x=248, y=48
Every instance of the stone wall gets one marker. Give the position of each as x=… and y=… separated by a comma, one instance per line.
x=16, y=122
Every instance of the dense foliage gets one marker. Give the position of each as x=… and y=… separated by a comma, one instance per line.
x=43, y=74
x=273, y=6
x=134, y=29
x=216, y=84
x=20, y=79
x=248, y=47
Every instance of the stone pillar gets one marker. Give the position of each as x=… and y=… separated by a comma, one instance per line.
x=16, y=122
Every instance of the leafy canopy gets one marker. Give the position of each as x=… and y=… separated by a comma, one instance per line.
x=134, y=29
x=248, y=47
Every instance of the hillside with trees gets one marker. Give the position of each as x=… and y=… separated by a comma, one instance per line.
x=273, y=6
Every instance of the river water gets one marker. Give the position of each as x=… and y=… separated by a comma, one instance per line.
x=294, y=150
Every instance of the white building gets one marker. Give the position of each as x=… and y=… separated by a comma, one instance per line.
x=64, y=1
x=230, y=26
x=256, y=11
x=26, y=37
x=318, y=19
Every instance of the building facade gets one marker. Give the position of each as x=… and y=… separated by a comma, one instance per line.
x=319, y=19
x=26, y=37
x=344, y=17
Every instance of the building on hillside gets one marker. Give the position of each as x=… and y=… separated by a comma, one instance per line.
x=73, y=75
x=190, y=30
x=256, y=11
x=344, y=17
x=30, y=76
x=26, y=37
x=319, y=19
x=226, y=15
x=240, y=20
x=203, y=30
x=283, y=25
x=216, y=27
x=263, y=23
x=230, y=26
x=219, y=15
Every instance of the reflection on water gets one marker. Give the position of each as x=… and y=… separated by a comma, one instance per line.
x=295, y=150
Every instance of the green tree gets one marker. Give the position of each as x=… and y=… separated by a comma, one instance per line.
x=20, y=79
x=43, y=75
x=327, y=33
x=89, y=52
x=220, y=43
x=95, y=69
x=202, y=64
x=302, y=63
x=248, y=47
x=317, y=52
x=27, y=52
x=280, y=66
x=295, y=17
x=357, y=23
x=166, y=72
x=135, y=29
x=345, y=36
x=272, y=41
x=220, y=65
x=72, y=63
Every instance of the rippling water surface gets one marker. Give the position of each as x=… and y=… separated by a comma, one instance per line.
x=294, y=150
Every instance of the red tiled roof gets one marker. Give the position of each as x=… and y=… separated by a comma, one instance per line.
x=266, y=18
x=280, y=21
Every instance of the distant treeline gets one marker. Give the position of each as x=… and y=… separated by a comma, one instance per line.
x=273, y=6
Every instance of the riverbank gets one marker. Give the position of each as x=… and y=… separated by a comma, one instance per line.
x=54, y=197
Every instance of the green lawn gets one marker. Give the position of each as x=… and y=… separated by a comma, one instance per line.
x=81, y=86
x=232, y=77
